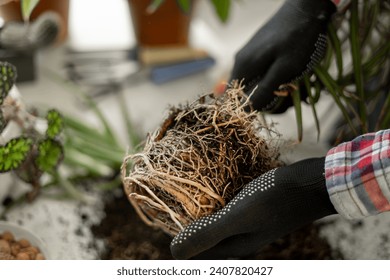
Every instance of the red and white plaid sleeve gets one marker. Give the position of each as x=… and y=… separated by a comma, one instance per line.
x=358, y=175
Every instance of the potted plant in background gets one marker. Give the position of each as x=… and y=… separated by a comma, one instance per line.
x=167, y=22
x=26, y=27
x=162, y=29
x=30, y=10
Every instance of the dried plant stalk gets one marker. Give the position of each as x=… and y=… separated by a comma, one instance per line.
x=198, y=160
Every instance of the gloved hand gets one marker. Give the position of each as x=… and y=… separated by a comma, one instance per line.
x=282, y=51
x=271, y=206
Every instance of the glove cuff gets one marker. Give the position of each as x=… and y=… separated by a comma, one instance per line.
x=319, y=9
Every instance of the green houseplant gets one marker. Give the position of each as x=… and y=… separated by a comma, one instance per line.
x=56, y=153
x=31, y=10
x=355, y=71
x=29, y=144
x=36, y=149
x=166, y=22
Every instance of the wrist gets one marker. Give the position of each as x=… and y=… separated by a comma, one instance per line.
x=305, y=180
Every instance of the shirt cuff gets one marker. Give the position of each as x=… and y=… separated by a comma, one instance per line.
x=358, y=175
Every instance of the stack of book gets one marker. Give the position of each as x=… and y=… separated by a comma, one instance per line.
x=170, y=63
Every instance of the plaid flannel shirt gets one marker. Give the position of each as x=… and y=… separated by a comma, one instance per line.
x=358, y=175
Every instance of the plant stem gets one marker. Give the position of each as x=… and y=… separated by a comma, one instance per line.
x=356, y=60
x=333, y=89
x=133, y=137
x=306, y=81
x=336, y=45
x=68, y=187
x=298, y=113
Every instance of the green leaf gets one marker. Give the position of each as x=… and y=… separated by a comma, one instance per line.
x=306, y=81
x=185, y=5
x=83, y=162
x=298, y=112
x=357, y=63
x=132, y=134
x=222, y=7
x=14, y=153
x=153, y=6
x=336, y=45
x=379, y=57
x=317, y=90
x=55, y=123
x=7, y=79
x=333, y=89
x=3, y=122
x=50, y=154
x=111, y=157
x=27, y=8
x=328, y=58
x=370, y=17
x=384, y=116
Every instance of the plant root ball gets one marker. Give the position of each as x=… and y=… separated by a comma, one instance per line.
x=203, y=154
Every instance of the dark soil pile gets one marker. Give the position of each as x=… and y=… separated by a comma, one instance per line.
x=127, y=237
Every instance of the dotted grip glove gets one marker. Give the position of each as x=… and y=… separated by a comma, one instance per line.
x=271, y=206
x=282, y=51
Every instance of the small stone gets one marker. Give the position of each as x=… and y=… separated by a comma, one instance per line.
x=4, y=246
x=40, y=257
x=22, y=256
x=24, y=243
x=8, y=236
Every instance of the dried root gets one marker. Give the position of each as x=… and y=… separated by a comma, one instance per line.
x=198, y=160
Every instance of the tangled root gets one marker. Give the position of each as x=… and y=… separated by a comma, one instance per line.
x=198, y=160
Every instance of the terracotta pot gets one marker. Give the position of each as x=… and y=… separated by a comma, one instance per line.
x=167, y=26
x=11, y=12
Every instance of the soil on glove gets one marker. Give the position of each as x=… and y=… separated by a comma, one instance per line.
x=127, y=237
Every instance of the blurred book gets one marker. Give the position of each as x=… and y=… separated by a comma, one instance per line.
x=169, y=55
x=169, y=72
x=170, y=63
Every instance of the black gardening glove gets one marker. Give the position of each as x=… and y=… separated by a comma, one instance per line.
x=271, y=206
x=285, y=48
